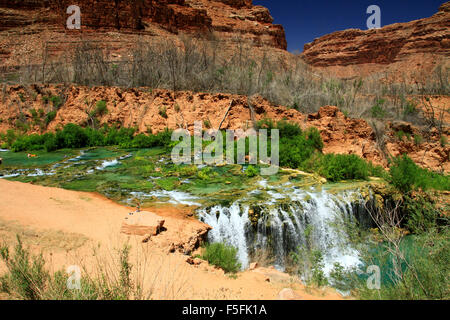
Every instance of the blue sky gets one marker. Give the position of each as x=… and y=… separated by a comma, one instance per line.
x=305, y=20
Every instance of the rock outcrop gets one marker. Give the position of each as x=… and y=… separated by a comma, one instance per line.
x=142, y=223
x=412, y=46
x=340, y=133
x=30, y=28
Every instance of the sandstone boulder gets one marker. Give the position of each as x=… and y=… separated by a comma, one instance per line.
x=142, y=223
x=253, y=266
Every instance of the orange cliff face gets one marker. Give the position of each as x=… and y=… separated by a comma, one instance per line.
x=30, y=27
x=407, y=47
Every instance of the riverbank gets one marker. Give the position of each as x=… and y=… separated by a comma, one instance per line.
x=74, y=228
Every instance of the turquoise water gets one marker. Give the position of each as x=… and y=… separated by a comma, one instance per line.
x=380, y=256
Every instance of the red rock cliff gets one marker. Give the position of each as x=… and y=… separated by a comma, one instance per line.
x=26, y=24
x=400, y=42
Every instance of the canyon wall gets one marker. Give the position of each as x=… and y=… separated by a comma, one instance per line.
x=414, y=46
x=31, y=28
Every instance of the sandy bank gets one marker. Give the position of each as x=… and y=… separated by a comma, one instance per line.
x=64, y=212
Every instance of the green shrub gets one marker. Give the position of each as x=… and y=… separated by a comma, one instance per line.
x=376, y=171
x=51, y=144
x=161, y=139
x=422, y=214
x=400, y=134
x=402, y=173
x=56, y=101
x=337, y=167
x=74, y=136
x=95, y=138
x=34, y=114
x=288, y=129
x=119, y=137
x=294, y=151
x=318, y=277
x=409, y=108
x=27, y=276
x=418, y=140
x=100, y=109
x=163, y=112
x=251, y=171
x=377, y=110
x=50, y=117
x=405, y=175
x=314, y=138
x=223, y=256
x=265, y=123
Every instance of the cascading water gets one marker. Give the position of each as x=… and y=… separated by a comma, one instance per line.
x=283, y=226
x=229, y=226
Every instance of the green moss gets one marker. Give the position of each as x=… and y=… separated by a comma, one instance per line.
x=168, y=184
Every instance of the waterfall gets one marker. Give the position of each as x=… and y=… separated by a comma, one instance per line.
x=229, y=226
x=283, y=223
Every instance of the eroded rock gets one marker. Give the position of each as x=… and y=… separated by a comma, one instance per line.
x=142, y=223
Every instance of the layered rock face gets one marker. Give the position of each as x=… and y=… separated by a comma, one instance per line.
x=29, y=26
x=172, y=15
x=410, y=45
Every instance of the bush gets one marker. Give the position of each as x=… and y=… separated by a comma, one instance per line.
x=422, y=214
x=163, y=112
x=119, y=137
x=100, y=109
x=251, y=171
x=314, y=138
x=51, y=144
x=72, y=136
x=405, y=175
x=31, y=142
x=223, y=256
x=27, y=276
x=418, y=139
x=95, y=138
x=337, y=167
x=50, y=117
x=56, y=101
x=288, y=129
x=296, y=146
x=376, y=171
x=294, y=152
x=377, y=110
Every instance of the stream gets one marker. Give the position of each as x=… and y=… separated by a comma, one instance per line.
x=274, y=216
